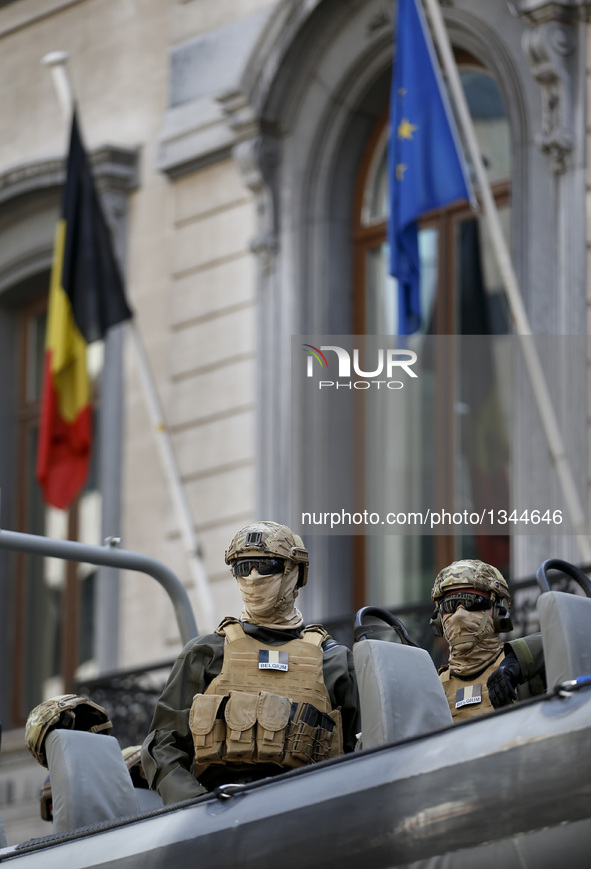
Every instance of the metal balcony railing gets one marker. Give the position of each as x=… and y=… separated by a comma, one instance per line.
x=130, y=695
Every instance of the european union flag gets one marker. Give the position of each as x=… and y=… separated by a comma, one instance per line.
x=424, y=160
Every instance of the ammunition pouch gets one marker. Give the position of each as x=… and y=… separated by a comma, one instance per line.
x=312, y=735
x=262, y=728
x=272, y=721
x=208, y=727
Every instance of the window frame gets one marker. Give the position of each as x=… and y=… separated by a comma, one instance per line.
x=366, y=236
x=27, y=415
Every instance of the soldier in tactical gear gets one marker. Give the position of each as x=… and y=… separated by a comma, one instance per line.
x=472, y=602
x=261, y=694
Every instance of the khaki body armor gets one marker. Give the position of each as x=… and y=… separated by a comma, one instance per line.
x=269, y=704
x=472, y=696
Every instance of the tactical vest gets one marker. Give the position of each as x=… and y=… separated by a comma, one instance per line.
x=467, y=699
x=269, y=704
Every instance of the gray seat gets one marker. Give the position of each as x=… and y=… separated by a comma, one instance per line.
x=148, y=800
x=565, y=622
x=90, y=782
x=400, y=693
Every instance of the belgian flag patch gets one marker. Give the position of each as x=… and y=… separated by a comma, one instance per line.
x=269, y=659
x=468, y=695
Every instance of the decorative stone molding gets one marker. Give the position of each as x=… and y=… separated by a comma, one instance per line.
x=115, y=170
x=195, y=132
x=240, y=115
x=194, y=135
x=549, y=48
x=257, y=155
x=383, y=18
x=38, y=175
x=258, y=159
x=540, y=11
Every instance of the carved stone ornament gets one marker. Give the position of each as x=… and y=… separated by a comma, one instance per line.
x=382, y=18
x=540, y=11
x=257, y=156
x=549, y=48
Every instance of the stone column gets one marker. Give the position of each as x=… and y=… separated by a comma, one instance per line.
x=555, y=47
x=256, y=152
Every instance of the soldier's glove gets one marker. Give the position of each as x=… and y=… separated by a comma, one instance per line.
x=502, y=682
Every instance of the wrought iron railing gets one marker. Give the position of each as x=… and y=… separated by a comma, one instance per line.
x=130, y=695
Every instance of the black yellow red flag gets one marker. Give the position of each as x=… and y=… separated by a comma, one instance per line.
x=86, y=298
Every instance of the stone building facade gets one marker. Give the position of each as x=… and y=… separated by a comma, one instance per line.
x=234, y=145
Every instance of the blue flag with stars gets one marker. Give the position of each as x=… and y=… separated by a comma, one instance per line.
x=425, y=164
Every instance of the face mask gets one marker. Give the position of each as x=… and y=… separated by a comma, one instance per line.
x=269, y=600
x=473, y=641
x=260, y=593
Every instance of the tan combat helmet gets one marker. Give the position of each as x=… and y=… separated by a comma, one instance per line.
x=471, y=573
x=66, y=711
x=269, y=539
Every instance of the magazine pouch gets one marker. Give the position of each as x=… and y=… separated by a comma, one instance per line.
x=241, y=716
x=309, y=736
x=208, y=727
x=272, y=720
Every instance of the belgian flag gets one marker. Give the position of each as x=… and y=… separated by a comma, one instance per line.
x=86, y=298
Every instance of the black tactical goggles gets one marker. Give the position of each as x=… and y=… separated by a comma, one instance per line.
x=470, y=600
x=264, y=566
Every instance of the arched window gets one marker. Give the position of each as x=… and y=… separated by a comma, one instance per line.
x=54, y=600
x=58, y=620
x=461, y=294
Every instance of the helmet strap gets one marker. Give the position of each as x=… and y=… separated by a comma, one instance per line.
x=97, y=728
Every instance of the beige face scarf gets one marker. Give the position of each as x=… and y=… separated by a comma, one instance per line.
x=269, y=600
x=473, y=641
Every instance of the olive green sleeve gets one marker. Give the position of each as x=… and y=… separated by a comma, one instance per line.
x=167, y=752
x=341, y=682
x=529, y=652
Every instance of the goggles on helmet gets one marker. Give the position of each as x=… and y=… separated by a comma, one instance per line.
x=264, y=566
x=470, y=600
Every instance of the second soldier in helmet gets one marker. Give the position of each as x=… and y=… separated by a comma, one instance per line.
x=473, y=602
x=261, y=694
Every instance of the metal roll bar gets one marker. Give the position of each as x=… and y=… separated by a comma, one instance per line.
x=565, y=567
x=361, y=630
x=110, y=556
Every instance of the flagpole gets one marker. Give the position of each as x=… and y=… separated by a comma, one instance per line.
x=177, y=492
x=56, y=61
x=518, y=312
